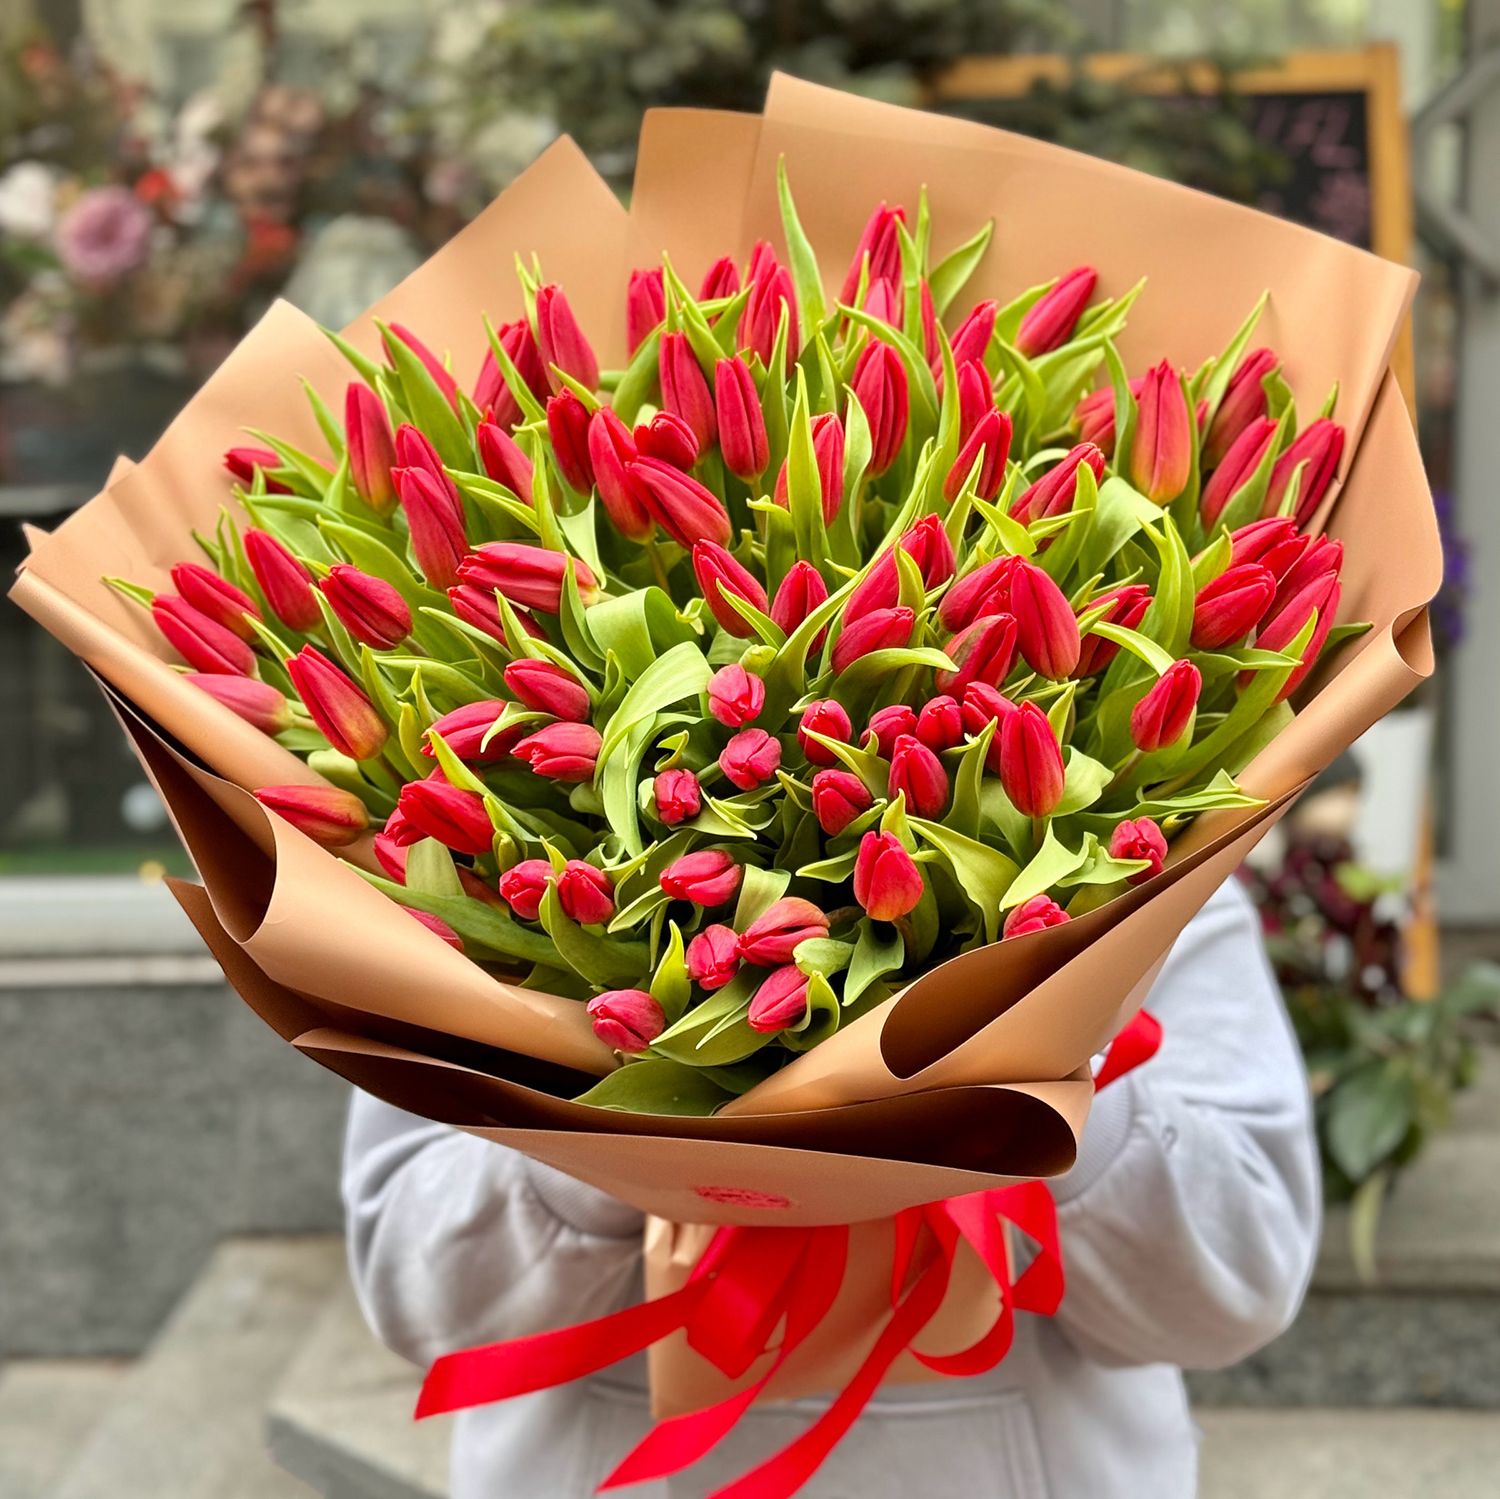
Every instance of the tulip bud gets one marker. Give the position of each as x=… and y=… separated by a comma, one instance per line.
x=1321, y=594
x=927, y=544
x=879, y=242
x=531, y=576
x=828, y=454
x=721, y=279
x=678, y=503
x=503, y=460
x=645, y=306
x=1094, y=419
x=216, y=597
x=972, y=340
x=1050, y=321
x=1161, y=452
x=1054, y=493
x=772, y=297
x=976, y=397
x=611, y=447
x=548, y=688
x=989, y=446
x=984, y=705
x=466, y=731
x=750, y=758
x=1267, y=541
x=438, y=540
x=1237, y=469
x=773, y=937
x=372, y=447
x=627, y=1020
x=879, y=385
x=562, y=751
x=568, y=430
x=940, y=724
x=781, y=1001
x=801, y=591
x=1244, y=402
x=561, y=339
x=284, y=581
x=718, y=575
x=918, y=774
x=242, y=462
x=742, y=423
x=667, y=437
x=713, y=956
x=838, y=797
x=887, y=882
x=203, y=644
x=678, y=796
x=735, y=696
x=1165, y=713
x=477, y=607
x=931, y=349
x=1046, y=627
x=586, y=894
x=258, y=703
x=435, y=808
x=414, y=449
x=985, y=591
x=889, y=724
x=430, y=362
x=887, y=301
x=1031, y=763
x=684, y=390
x=707, y=878
x=828, y=718
x=1319, y=557
x=1034, y=915
x=491, y=393
x=984, y=651
x=437, y=926
x=880, y=630
x=523, y=885
x=372, y=611
x=1320, y=447
x=1128, y=606
x=1139, y=839
x=327, y=815
x=1231, y=605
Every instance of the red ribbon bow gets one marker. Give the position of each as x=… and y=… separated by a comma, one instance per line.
x=750, y=1281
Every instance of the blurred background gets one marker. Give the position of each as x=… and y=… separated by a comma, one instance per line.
x=171, y=1289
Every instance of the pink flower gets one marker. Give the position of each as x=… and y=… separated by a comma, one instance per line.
x=103, y=236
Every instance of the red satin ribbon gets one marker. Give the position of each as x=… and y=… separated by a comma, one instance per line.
x=751, y=1281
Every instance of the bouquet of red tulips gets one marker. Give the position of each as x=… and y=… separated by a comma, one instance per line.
x=796, y=711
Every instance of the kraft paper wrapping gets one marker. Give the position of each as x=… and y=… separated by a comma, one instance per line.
x=975, y=1075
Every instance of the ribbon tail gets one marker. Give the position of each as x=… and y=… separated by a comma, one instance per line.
x=1138, y=1042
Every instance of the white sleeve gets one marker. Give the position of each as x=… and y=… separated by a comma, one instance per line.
x=1190, y=1222
x=454, y=1241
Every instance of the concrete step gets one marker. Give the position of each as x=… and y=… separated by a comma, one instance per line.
x=188, y=1417
x=47, y=1409
x=341, y=1417
x=1349, y=1454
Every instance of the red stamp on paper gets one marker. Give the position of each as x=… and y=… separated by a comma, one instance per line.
x=743, y=1197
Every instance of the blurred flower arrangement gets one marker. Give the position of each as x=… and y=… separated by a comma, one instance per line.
x=1384, y=1066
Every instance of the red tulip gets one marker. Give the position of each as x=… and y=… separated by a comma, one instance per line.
x=1321, y=594
x=586, y=894
x=889, y=724
x=678, y=503
x=879, y=241
x=242, y=462
x=1237, y=469
x=750, y=758
x=1054, y=493
x=918, y=774
x=774, y=936
x=1161, y=452
x=491, y=393
x=438, y=539
x=433, y=365
x=372, y=611
x=721, y=279
x=879, y=385
x=1031, y=763
x=531, y=576
x=887, y=882
x=216, y=597
x=503, y=460
x=627, y=1020
x=1244, y=402
x=927, y=544
x=707, y=878
x=1320, y=447
x=886, y=300
x=984, y=651
x=678, y=796
x=1034, y=915
x=828, y=718
x=881, y=629
x=984, y=705
x=828, y=454
x=561, y=339
x=562, y=751
x=772, y=297
x=466, y=731
x=1231, y=605
x=205, y=645
x=1046, y=627
x=645, y=306
x=989, y=446
x=372, y=447
x=976, y=397
x=1050, y=321
x=718, y=575
x=667, y=437
x=684, y=391
x=611, y=447
x=742, y=423
x=435, y=808
x=1163, y=715
x=1274, y=541
x=985, y=591
x=801, y=591
x=930, y=347
x=523, y=886
x=548, y=688
x=940, y=724
x=781, y=1001
x=1139, y=839
x=437, y=926
x=327, y=814
x=1094, y=419
x=1317, y=558
x=568, y=430
x=838, y=797
x=1128, y=605
x=477, y=607
x=414, y=449
x=713, y=956
x=286, y=584
x=972, y=339
x=258, y=703
x=735, y=695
